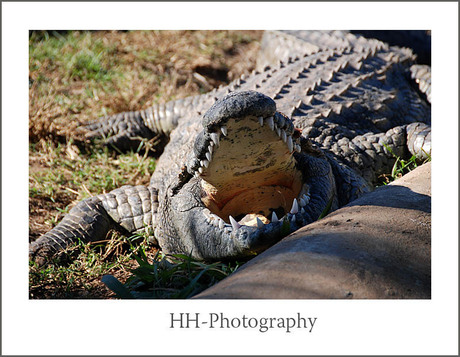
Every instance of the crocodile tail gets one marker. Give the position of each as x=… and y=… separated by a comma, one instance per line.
x=129, y=209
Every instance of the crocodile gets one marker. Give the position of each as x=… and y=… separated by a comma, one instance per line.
x=248, y=163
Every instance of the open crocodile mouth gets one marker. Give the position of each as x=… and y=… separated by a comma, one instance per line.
x=248, y=170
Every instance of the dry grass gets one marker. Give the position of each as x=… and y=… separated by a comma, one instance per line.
x=76, y=77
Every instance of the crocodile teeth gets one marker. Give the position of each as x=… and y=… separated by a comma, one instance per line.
x=306, y=198
x=298, y=148
x=278, y=131
x=302, y=202
x=221, y=224
x=271, y=123
x=211, y=147
x=260, y=224
x=290, y=144
x=293, y=218
x=205, y=163
x=223, y=129
x=234, y=223
x=215, y=138
x=200, y=170
x=295, y=207
x=283, y=135
x=274, y=217
x=208, y=156
x=302, y=211
x=261, y=121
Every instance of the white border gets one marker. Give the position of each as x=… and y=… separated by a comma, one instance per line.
x=142, y=327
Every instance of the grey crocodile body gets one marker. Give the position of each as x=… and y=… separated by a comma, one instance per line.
x=342, y=108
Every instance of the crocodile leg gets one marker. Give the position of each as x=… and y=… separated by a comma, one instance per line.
x=377, y=152
x=128, y=209
x=373, y=154
x=123, y=130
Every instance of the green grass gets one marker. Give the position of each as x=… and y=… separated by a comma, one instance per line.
x=168, y=277
x=401, y=167
x=99, y=171
x=82, y=57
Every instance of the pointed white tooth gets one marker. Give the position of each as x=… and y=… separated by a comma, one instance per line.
x=295, y=207
x=293, y=218
x=278, y=131
x=290, y=144
x=274, y=217
x=260, y=224
x=211, y=148
x=271, y=123
x=302, y=202
x=234, y=223
x=306, y=198
x=221, y=224
x=208, y=156
x=205, y=163
x=215, y=138
x=302, y=211
x=298, y=148
x=223, y=129
x=196, y=174
x=200, y=170
x=261, y=121
x=283, y=135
